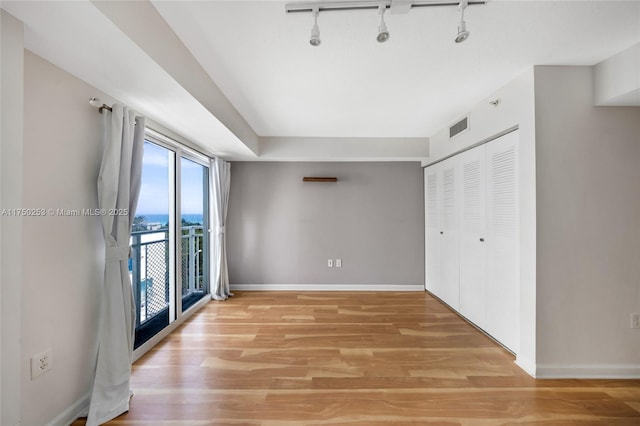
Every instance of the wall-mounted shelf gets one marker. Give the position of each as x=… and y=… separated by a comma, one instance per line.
x=319, y=179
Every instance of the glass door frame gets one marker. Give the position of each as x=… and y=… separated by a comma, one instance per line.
x=154, y=325
x=206, y=229
x=175, y=219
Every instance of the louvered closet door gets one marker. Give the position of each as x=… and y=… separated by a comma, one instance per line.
x=473, y=236
x=432, y=229
x=503, y=292
x=450, y=234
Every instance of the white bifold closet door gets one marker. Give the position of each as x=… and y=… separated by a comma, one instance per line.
x=502, y=241
x=442, y=199
x=473, y=254
x=472, y=241
x=432, y=227
x=450, y=233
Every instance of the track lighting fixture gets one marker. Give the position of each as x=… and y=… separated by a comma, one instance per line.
x=394, y=6
x=383, y=33
x=315, y=31
x=463, y=34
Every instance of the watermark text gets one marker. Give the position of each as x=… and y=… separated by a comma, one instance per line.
x=62, y=212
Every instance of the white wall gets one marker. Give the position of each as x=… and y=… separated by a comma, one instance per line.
x=516, y=108
x=62, y=256
x=281, y=230
x=617, y=79
x=343, y=149
x=11, y=98
x=588, y=170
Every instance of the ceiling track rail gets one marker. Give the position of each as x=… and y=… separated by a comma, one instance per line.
x=366, y=5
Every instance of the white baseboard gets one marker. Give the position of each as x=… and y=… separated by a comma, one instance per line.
x=328, y=287
x=588, y=371
x=77, y=409
x=527, y=365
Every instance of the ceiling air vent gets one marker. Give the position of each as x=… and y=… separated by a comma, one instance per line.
x=459, y=127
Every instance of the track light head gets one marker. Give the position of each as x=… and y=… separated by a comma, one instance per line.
x=463, y=34
x=383, y=33
x=315, y=30
x=315, y=36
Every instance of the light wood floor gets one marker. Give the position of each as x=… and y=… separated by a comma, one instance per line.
x=285, y=358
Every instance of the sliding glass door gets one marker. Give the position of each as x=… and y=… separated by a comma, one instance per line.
x=194, y=208
x=169, y=264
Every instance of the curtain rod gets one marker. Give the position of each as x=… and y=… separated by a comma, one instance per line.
x=97, y=103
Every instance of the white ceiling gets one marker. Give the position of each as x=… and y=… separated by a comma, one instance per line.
x=351, y=98
x=411, y=86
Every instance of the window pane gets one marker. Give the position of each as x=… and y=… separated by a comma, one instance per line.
x=194, y=191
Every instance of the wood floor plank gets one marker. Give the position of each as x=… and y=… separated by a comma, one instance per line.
x=353, y=358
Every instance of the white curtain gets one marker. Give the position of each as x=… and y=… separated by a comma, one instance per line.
x=220, y=185
x=118, y=188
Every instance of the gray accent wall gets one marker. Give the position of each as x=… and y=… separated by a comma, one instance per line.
x=281, y=230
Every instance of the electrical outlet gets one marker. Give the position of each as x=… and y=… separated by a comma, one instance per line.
x=338, y=263
x=635, y=320
x=330, y=263
x=41, y=363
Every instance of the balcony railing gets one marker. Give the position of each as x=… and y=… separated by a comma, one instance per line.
x=192, y=261
x=149, y=269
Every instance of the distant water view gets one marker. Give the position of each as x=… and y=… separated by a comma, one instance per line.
x=164, y=218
